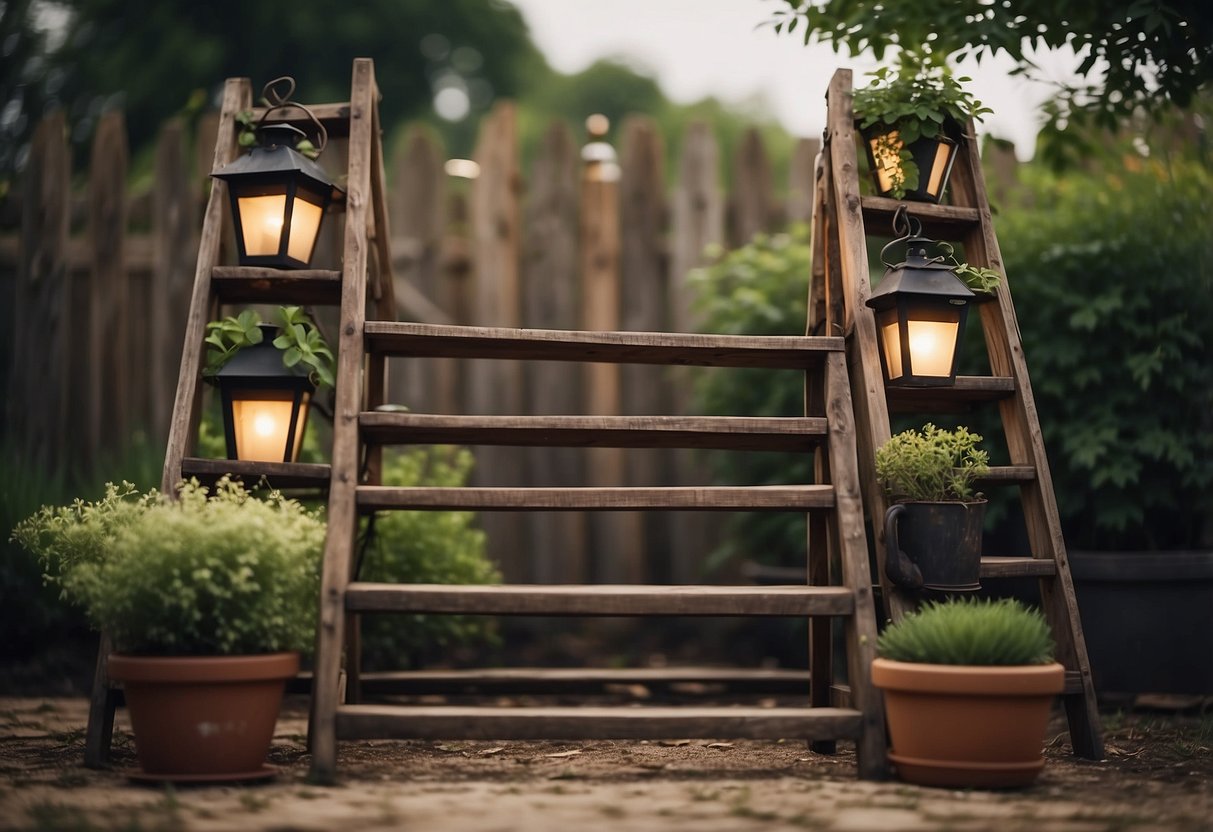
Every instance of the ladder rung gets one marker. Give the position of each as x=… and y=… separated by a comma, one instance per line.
x=277, y=474
x=967, y=391
x=246, y=284
x=334, y=116
x=727, y=432
x=1008, y=475
x=712, y=498
x=565, y=680
x=941, y=222
x=359, y=722
x=670, y=348
x=600, y=599
x=996, y=567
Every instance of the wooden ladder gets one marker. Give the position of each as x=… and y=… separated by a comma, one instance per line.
x=843, y=221
x=365, y=263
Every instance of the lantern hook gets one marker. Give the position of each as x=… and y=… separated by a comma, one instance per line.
x=277, y=95
x=910, y=229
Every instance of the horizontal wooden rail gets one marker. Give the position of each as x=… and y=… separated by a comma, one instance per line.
x=1014, y=567
x=1007, y=475
x=276, y=474
x=669, y=348
x=968, y=391
x=941, y=222
x=712, y=498
x=720, y=432
x=245, y=284
x=600, y=599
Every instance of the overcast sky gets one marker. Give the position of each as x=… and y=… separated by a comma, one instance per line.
x=697, y=48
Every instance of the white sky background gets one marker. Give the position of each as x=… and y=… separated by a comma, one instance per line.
x=699, y=48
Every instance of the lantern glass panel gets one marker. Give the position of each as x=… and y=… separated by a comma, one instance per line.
x=261, y=422
x=305, y=226
x=932, y=346
x=886, y=155
x=939, y=167
x=261, y=222
x=890, y=338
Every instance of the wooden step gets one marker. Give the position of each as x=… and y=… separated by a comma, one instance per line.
x=361, y=722
x=723, y=432
x=600, y=599
x=1013, y=567
x=249, y=284
x=940, y=222
x=670, y=348
x=711, y=498
x=334, y=116
x=1007, y=475
x=688, y=681
x=276, y=474
x=840, y=695
x=967, y=392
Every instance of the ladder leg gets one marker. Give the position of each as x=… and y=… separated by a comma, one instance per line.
x=101, y=708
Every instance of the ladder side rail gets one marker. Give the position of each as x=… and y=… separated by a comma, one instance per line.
x=342, y=511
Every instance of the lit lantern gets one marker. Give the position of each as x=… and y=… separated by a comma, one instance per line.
x=933, y=155
x=920, y=306
x=278, y=198
x=265, y=403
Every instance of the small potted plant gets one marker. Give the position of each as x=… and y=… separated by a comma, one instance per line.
x=933, y=529
x=208, y=599
x=911, y=120
x=968, y=686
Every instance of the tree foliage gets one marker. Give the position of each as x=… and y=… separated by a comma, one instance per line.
x=1134, y=53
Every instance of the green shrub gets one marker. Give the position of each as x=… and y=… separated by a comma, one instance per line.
x=931, y=465
x=228, y=574
x=970, y=631
x=758, y=289
x=424, y=547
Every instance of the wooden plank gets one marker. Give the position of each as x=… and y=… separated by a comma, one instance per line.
x=237, y=96
x=112, y=400
x=550, y=300
x=752, y=192
x=770, y=351
x=174, y=225
x=966, y=392
x=1011, y=567
x=382, y=286
x=342, y=518
x=582, y=723
x=1007, y=475
x=709, y=498
x=600, y=599
x=252, y=284
x=940, y=222
x=726, y=432
x=275, y=474
x=334, y=116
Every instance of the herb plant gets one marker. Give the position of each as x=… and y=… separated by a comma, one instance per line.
x=298, y=337
x=969, y=631
x=212, y=573
x=931, y=465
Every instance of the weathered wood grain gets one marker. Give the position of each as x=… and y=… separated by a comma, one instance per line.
x=707, y=498
x=253, y=284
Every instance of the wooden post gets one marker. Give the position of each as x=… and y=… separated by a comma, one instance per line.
x=643, y=299
x=615, y=537
x=752, y=201
x=174, y=220
x=496, y=387
x=697, y=223
x=550, y=301
x=110, y=343
x=38, y=387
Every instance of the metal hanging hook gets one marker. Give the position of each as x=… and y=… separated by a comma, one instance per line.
x=277, y=94
x=908, y=227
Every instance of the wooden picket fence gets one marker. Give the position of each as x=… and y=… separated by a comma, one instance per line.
x=94, y=285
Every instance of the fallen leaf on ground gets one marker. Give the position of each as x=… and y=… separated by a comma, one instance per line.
x=564, y=753
x=675, y=742
x=489, y=751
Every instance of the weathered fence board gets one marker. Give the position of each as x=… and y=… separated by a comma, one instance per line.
x=752, y=201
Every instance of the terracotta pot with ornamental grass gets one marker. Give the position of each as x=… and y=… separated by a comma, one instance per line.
x=208, y=600
x=968, y=685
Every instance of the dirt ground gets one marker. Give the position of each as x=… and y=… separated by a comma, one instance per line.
x=1158, y=775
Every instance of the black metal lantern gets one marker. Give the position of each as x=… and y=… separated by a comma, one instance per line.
x=933, y=155
x=921, y=306
x=278, y=195
x=265, y=403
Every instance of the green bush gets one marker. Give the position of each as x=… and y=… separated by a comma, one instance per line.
x=969, y=631
x=221, y=573
x=1112, y=275
x=423, y=547
x=758, y=289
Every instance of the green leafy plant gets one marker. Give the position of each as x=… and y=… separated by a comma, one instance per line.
x=213, y=572
x=298, y=337
x=424, y=547
x=977, y=278
x=931, y=465
x=247, y=137
x=969, y=631
x=921, y=98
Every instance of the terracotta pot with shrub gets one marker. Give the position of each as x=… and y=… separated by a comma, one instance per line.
x=968, y=686
x=208, y=600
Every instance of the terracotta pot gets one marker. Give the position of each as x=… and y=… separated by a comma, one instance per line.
x=203, y=718
x=962, y=726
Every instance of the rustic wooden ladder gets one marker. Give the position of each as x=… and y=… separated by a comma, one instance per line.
x=365, y=262
x=843, y=221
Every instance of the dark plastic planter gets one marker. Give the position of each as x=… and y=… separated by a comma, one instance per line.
x=1147, y=618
